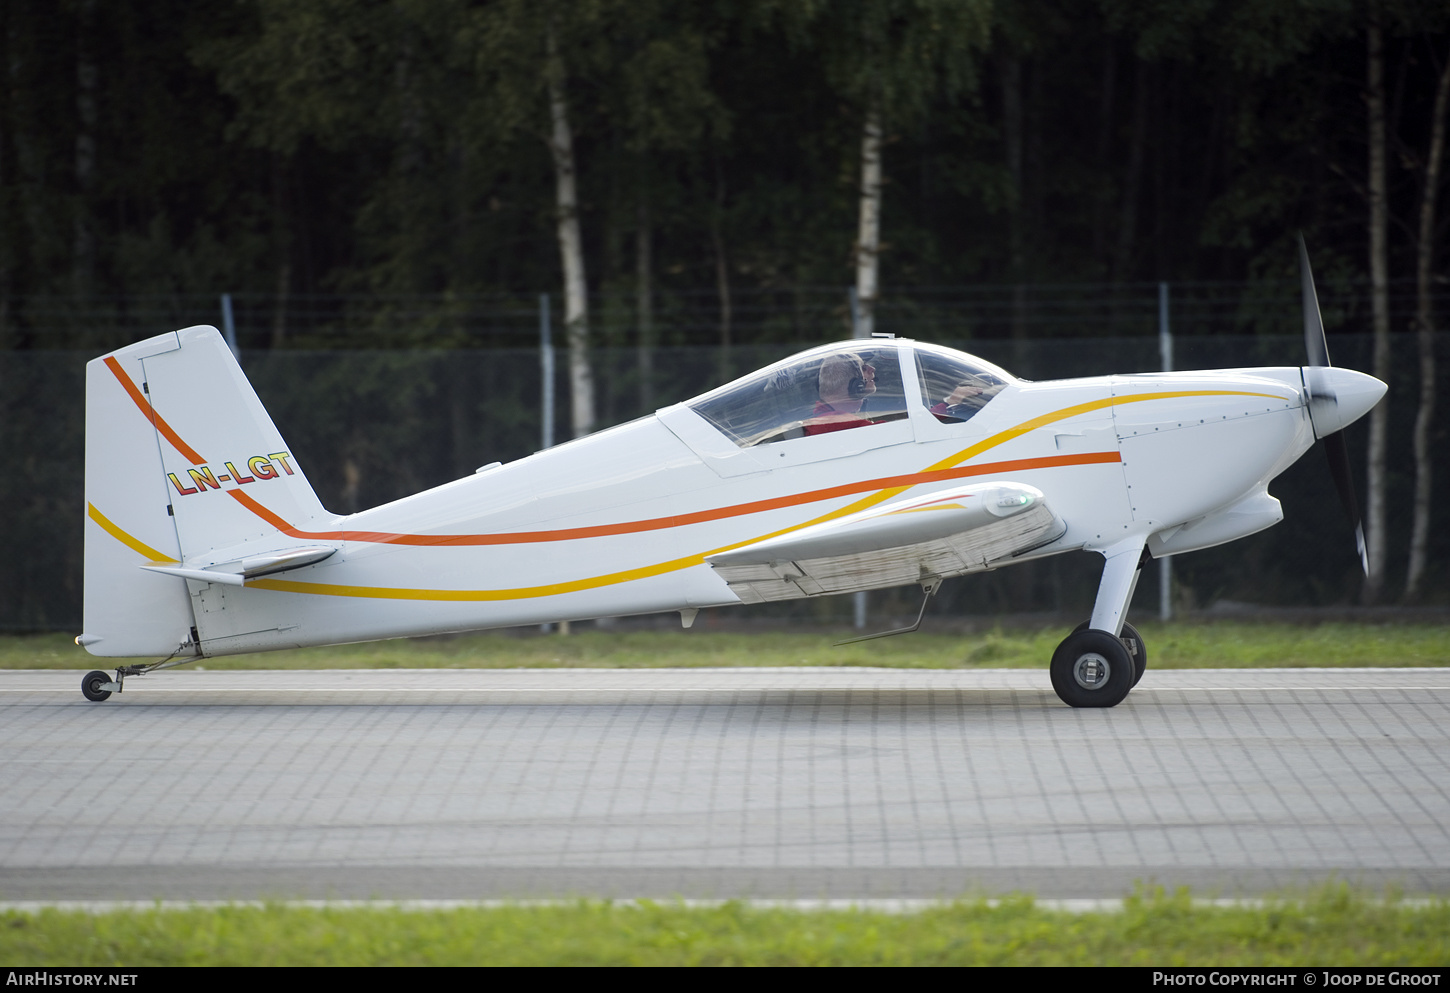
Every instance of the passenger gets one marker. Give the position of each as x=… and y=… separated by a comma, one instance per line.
x=845, y=381
x=970, y=396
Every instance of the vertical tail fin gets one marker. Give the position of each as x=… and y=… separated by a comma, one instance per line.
x=182, y=463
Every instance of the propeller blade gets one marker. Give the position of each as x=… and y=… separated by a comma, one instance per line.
x=1314, y=342
x=1337, y=449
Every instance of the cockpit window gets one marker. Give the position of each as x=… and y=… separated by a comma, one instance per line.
x=833, y=388
x=956, y=385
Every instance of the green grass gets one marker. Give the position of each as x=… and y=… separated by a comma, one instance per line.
x=1217, y=644
x=1333, y=927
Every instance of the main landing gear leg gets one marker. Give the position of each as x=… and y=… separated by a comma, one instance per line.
x=1096, y=665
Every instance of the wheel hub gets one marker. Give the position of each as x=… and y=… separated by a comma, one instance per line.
x=1091, y=671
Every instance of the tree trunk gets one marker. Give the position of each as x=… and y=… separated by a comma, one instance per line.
x=1128, y=220
x=410, y=115
x=279, y=304
x=8, y=226
x=408, y=208
x=1380, y=303
x=1425, y=336
x=644, y=304
x=868, y=239
x=1103, y=208
x=282, y=248
x=1013, y=128
x=571, y=248
x=84, y=259
x=722, y=273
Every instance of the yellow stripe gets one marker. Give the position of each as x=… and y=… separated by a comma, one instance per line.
x=609, y=579
x=522, y=593
x=1002, y=437
x=934, y=506
x=128, y=540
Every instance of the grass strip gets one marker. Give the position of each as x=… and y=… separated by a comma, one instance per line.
x=1216, y=645
x=1333, y=926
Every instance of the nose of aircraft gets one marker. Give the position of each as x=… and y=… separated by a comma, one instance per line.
x=1339, y=397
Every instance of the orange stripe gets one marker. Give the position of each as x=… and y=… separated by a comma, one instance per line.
x=1002, y=437
x=886, y=487
x=676, y=520
x=156, y=419
x=627, y=575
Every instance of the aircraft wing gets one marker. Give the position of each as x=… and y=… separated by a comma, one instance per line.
x=949, y=533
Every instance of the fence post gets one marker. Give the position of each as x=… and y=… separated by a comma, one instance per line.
x=546, y=399
x=858, y=600
x=546, y=366
x=229, y=326
x=1165, y=357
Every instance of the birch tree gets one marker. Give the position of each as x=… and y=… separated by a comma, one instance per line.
x=85, y=151
x=571, y=243
x=1425, y=335
x=671, y=122
x=868, y=234
x=891, y=59
x=339, y=76
x=526, y=56
x=1379, y=301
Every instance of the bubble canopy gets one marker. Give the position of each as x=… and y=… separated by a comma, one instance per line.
x=847, y=385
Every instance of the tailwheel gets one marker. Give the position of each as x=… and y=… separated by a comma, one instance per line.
x=1133, y=642
x=98, y=686
x=93, y=686
x=1092, y=668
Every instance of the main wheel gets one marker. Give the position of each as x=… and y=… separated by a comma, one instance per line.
x=1133, y=642
x=92, y=683
x=1092, y=669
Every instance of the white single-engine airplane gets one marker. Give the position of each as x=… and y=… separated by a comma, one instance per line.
x=853, y=466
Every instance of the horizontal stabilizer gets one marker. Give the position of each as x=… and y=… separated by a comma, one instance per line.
x=200, y=575
x=236, y=573
x=949, y=533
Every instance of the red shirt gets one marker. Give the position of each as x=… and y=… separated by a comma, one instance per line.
x=826, y=419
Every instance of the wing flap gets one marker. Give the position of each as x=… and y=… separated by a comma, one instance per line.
x=949, y=533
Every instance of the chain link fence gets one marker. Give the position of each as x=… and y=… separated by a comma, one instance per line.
x=797, y=315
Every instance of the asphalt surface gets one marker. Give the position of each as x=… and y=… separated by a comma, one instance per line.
x=782, y=783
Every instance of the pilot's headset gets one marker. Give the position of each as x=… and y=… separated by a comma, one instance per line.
x=857, y=386
x=841, y=374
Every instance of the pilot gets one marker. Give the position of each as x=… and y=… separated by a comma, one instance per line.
x=845, y=381
x=970, y=396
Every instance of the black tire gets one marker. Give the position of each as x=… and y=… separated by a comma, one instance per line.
x=1092, y=669
x=1134, y=643
x=92, y=683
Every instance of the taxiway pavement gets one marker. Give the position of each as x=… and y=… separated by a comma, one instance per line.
x=781, y=783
